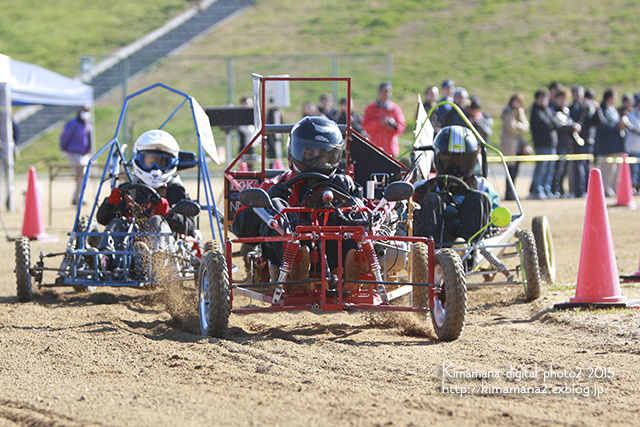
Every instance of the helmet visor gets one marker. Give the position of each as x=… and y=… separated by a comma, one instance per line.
x=150, y=160
x=316, y=156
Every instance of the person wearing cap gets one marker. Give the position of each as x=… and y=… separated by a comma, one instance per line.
x=383, y=120
x=447, y=87
x=632, y=141
x=75, y=143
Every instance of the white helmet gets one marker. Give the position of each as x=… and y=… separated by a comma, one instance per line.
x=155, y=157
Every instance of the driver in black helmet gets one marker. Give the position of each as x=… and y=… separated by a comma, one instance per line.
x=449, y=211
x=315, y=145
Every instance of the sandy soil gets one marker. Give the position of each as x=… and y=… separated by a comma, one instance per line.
x=125, y=357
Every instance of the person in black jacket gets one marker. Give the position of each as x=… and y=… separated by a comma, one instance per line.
x=609, y=141
x=583, y=110
x=566, y=128
x=155, y=161
x=545, y=141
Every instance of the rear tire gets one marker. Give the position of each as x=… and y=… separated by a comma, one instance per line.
x=450, y=295
x=419, y=273
x=544, y=245
x=23, y=265
x=213, y=294
x=529, y=264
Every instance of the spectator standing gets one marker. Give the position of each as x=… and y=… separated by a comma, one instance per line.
x=274, y=116
x=461, y=99
x=514, y=125
x=632, y=141
x=583, y=110
x=326, y=106
x=566, y=128
x=627, y=104
x=384, y=120
x=309, y=109
x=545, y=141
x=75, y=143
x=553, y=87
x=447, y=87
x=430, y=100
x=246, y=133
x=480, y=120
x=356, y=120
x=609, y=141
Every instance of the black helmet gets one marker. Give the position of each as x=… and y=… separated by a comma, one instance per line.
x=456, y=151
x=315, y=145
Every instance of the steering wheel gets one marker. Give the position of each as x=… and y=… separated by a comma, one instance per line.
x=149, y=194
x=306, y=176
x=141, y=198
x=449, y=186
x=447, y=183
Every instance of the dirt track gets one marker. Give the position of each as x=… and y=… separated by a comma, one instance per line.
x=118, y=357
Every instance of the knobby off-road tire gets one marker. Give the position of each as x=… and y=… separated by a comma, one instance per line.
x=529, y=265
x=23, y=264
x=419, y=273
x=93, y=241
x=450, y=308
x=213, y=245
x=213, y=294
x=544, y=245
x=83, y=222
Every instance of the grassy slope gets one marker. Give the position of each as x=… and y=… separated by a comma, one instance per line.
x=491, y=47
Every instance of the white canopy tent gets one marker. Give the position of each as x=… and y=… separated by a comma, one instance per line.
x=27, y=84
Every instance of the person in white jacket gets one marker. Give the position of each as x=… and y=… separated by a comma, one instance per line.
x=514, y=125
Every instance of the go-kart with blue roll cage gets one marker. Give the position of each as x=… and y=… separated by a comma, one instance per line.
x=502, y=248
x=387, y=264
x=180, y=255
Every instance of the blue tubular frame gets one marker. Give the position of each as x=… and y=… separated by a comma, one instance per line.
x=116, y=158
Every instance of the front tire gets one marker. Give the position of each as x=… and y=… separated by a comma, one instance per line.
x=419, y=273
x=23, y=265
x=449, y=296
x=544, y=245
x=529, y=264
x=213, y=294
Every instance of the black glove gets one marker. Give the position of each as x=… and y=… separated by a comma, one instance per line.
x=343, y=182
x=279, y=190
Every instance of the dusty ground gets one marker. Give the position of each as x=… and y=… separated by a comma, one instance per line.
x=118, y=357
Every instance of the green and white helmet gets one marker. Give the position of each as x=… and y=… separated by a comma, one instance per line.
x=456, y=151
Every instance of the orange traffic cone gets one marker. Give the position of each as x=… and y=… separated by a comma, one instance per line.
x=278, y=165
x=625, y=187
x=32, y=224
x=244, y=167
x=598, y=281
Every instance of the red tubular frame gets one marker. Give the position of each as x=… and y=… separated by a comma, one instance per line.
x=365, y=299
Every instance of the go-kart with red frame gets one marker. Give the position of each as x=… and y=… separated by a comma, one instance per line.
x=395, y=263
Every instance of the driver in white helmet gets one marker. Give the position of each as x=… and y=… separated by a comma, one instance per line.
x=155, y=161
